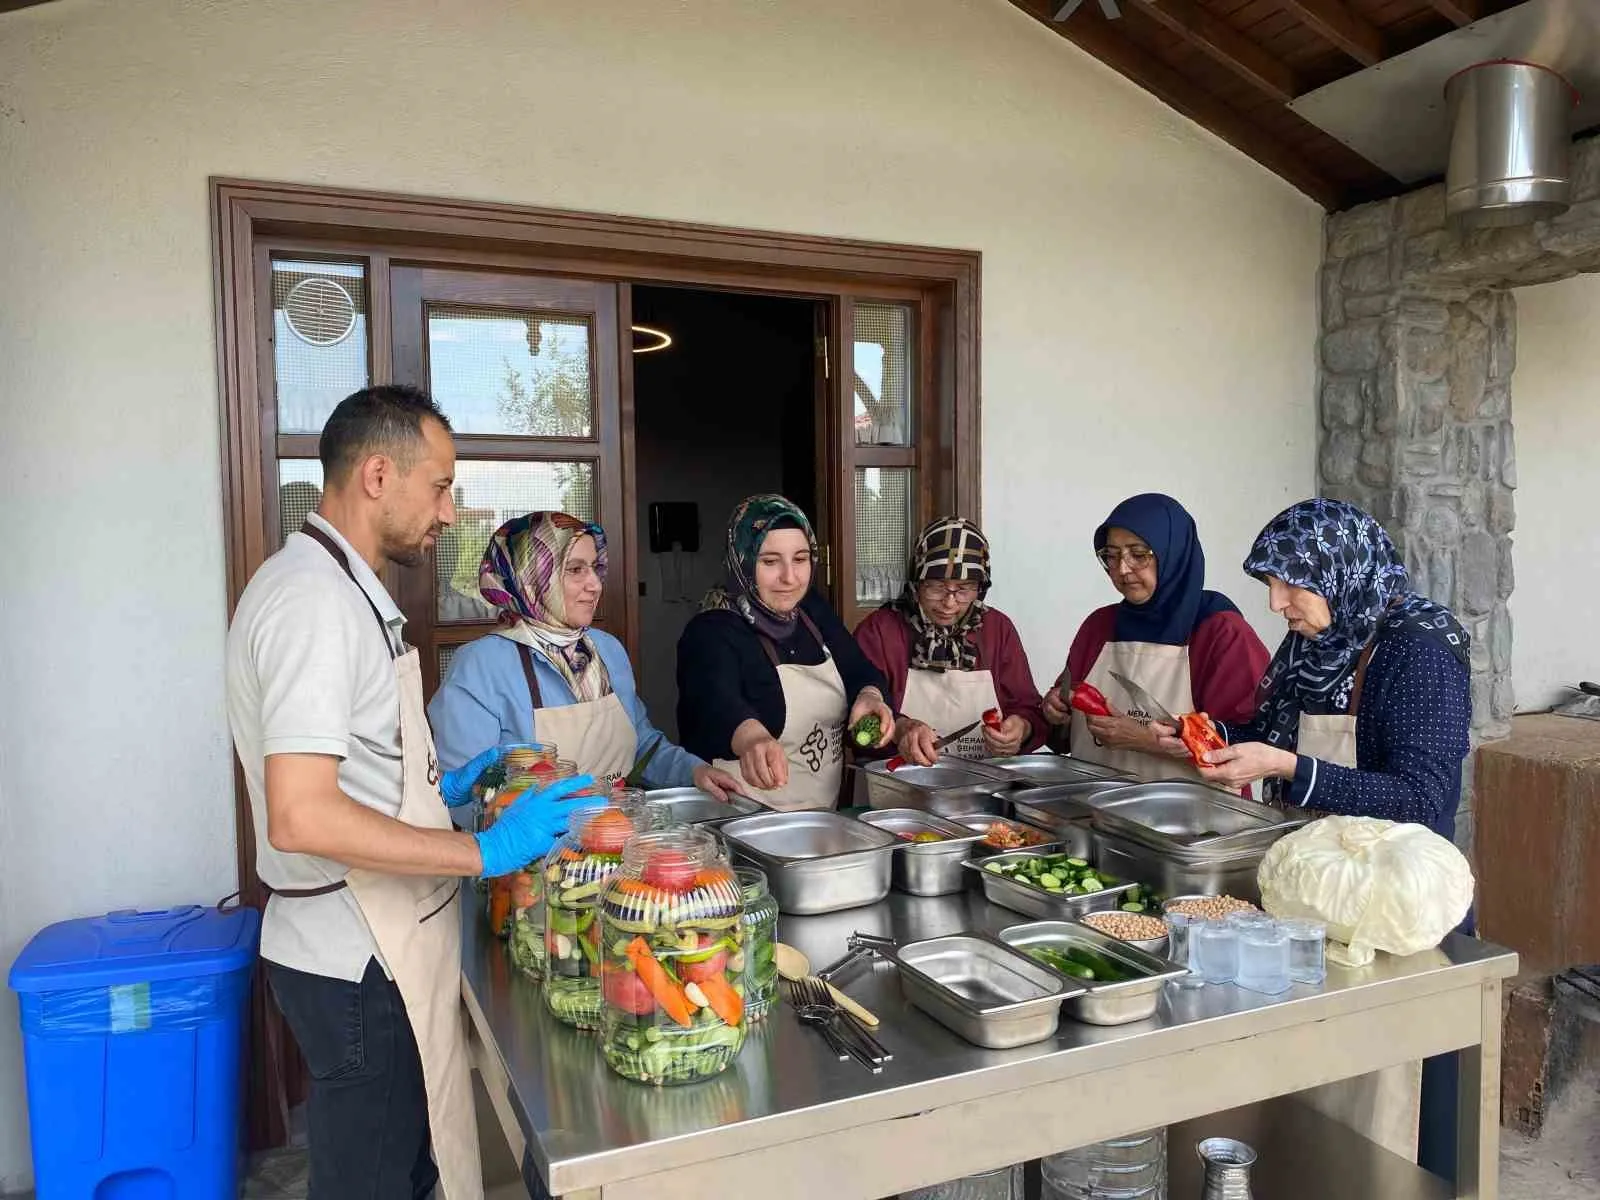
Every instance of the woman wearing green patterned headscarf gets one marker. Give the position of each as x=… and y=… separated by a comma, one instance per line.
x=768, y=675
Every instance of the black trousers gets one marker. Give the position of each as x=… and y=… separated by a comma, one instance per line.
x=368, y=1112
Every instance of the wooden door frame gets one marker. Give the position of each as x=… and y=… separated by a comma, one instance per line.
x=247, y=214
x=571, y=243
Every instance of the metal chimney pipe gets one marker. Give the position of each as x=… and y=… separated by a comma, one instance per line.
x=1509, y=144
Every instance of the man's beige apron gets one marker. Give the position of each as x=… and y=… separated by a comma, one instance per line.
x=596, y=735
x=1161, y=670
x=416, y=922
x=1386, y=1106
x=947, y=700
x=815, y=708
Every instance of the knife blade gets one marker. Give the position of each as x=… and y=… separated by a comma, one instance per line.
x=952, y=739
x=1143, y=699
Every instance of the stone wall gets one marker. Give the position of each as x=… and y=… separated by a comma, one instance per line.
x=1417, y=351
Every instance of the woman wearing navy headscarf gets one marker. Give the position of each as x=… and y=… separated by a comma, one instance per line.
x=1365, y=711
x=1367, y=705
x=1188, y=647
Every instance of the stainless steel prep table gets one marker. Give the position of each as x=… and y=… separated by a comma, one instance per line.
x=787, y=1120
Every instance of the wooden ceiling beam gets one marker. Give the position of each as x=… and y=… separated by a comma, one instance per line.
x=1459, y=12
x=1341, y=25
x=1226, y=45
x=1097, y=37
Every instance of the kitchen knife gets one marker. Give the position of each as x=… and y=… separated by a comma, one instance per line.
x=897, y=761
x=1144, y=700
x=952, y=739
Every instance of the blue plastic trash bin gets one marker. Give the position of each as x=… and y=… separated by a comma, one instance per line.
x=133, y=1034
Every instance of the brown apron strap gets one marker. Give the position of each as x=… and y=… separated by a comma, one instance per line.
x=527, y=669
x=340, y=557
x=772, y=650
x=303, y=893
x=1361, y=677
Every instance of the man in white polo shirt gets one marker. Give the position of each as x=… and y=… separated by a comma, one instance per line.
x=362, y=934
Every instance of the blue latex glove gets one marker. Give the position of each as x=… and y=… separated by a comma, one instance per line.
x=456, y=786
x=526, y=830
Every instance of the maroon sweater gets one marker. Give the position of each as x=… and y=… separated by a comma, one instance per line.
x=885, y=638
x=1226, y=661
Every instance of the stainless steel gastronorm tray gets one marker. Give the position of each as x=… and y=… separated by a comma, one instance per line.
x=1062, y=802
x=1230, y=875
x=950, y=787
x=1191, y=818
x=982, y=821
x=983, y=990
x=815, y=862
x=1043, y=770
x=691, y=806
x=1102, y=1002
x=1036, y=901
x=926, y=868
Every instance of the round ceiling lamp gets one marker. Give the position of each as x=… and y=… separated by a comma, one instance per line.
x=661, y=339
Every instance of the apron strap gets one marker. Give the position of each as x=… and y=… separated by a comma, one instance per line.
x=805, y=619
x=527, y=669
x=343, y=559
x=303, y=893
x=1361, y=677
x=339, y=556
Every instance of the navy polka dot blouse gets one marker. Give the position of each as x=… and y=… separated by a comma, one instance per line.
x=1412, y=732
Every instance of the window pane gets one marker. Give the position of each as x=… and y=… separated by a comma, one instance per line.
x=319, y=339
x=446, y=653
x=299, y=491
x=502, y=372
x=487, y=494
x=883, y=350
x=886, y=510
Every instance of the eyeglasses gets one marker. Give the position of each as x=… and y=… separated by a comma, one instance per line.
x=1137, y=557
x=949, y=591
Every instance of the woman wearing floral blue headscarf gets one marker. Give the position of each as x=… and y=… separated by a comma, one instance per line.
x=1365, y=711
x=1365, y=708
x=547, y=674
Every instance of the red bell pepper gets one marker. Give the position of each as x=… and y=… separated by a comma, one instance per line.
x=993, y=720
x=1089, y=700
x=1199, y=736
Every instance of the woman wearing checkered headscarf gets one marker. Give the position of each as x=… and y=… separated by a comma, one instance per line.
x=949, y=657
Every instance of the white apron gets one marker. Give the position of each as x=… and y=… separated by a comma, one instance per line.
x=416, y=921
x=947, y=700
x=815, y=708
x=597, y=735
x=1386, y=1106
x=1161, y=670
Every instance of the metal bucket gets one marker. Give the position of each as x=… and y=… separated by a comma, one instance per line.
x=1510, y=144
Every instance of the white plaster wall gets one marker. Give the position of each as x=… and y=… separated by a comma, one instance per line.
x=1555, y=400
x=1148, y=317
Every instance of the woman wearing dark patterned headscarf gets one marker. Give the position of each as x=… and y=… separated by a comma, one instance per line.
x=768, y=675
x=949, y=658
x=1365, y=711
x=1366, y=707
x=547, y=675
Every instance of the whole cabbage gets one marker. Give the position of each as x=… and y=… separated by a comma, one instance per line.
x=1377, y=885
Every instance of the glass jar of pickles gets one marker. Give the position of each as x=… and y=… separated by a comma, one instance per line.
x=517, y=899
x=575, y=871
x=670, y=922
x=755, y=960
